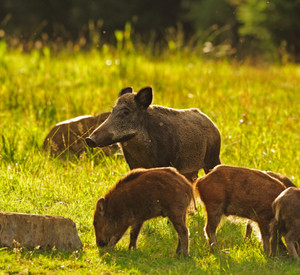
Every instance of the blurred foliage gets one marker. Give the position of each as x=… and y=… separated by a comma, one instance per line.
x=72, y=19
x=237, y=28
x=269, y=26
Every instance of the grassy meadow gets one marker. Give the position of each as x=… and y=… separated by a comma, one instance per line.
x=256, y=109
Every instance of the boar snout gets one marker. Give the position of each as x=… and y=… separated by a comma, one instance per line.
x=90, y=142
x=100, y=139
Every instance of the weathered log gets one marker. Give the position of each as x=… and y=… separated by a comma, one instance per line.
x=38, y=231
x=68, y=137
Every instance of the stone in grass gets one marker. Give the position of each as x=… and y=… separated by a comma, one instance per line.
x=68, y=137
x=42, y=231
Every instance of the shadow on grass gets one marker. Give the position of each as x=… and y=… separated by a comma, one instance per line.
x=155, y=253
x=143, y=261
x=220, y=261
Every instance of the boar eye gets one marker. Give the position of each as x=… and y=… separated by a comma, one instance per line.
x=126, y=112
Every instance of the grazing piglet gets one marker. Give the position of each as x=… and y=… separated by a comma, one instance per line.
x=157, y=136
x=286, y=222
x=141, y=195
x=287, y=183
x=229, y=190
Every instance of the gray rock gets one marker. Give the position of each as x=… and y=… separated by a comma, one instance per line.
x=41, y=231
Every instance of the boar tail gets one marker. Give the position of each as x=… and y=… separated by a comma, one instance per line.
x=193, y=197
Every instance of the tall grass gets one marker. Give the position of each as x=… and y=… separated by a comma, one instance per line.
x=255, y=108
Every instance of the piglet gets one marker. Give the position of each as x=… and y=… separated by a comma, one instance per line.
x=139, y=196
x=286, y=222
x=231, y=190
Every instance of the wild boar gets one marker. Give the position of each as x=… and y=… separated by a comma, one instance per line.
x=287, y=182
x=157, y=136
x=230, y=190
x=67, y=137
x=141, y=195
x=286, y=222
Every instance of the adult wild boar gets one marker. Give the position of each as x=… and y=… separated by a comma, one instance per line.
x=157, y=136
x=286, y=222
x=231, y=190
x=141, y=195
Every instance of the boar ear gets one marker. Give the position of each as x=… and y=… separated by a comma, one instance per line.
x=127, y=90
x=100, y=208
x=144, y=97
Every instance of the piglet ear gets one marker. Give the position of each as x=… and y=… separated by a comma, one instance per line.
x=127, y=90
x=144, y=97
x=100, y=207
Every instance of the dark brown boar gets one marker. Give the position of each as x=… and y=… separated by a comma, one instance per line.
x=157, y=136
x=286, y=222
x=68, y=137
x=141, y=195
x=287, y=182
x=248, y=193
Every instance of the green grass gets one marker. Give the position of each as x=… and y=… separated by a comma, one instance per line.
x=255, y=108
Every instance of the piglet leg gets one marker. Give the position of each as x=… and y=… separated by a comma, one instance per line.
x=214, y=214
x=179, y=224
x=112, y=242
x=290, y=243
x=134, y=232
x=265, y=234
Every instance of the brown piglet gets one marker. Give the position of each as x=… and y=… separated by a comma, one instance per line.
x=141, y=195
x=287, y=183
x=231, y=190
x=286, y=222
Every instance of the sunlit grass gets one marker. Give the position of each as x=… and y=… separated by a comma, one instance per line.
x=255, y=108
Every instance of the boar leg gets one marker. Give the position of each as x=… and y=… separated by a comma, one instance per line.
x=179, y=224
x=248, y=229
x=112, y=242
x=214, y=215
x=265, y=234
x=114, y=239
x=134, y=232
x=273, y=239
x=290, y=243
x=281, y=245
x=179, y=246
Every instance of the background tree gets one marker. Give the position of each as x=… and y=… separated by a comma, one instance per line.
x=241, y=27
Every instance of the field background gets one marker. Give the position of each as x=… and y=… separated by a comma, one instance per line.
x=256, y=109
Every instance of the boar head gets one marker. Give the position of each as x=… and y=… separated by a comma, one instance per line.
x=125, y=119
x=104, y=226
